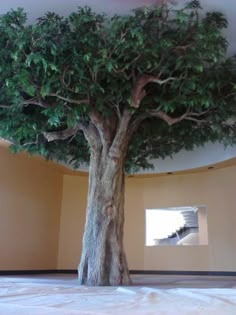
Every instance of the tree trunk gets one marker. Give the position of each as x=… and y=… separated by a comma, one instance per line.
x=103, y=260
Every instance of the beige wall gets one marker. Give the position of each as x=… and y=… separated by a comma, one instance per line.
x=30, y=194
x=72, y=221
x=202, y=226
x=43, y=215
x=134, y=232
x=214, y=188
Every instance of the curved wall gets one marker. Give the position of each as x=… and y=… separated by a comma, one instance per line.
x=43, y=214
x=30, y=195
x=214, y=188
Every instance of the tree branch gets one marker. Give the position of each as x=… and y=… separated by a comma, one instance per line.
x=167, y=118
x=170, y=120
x=102, y=127
x=70, y=100
x=7, y=106
x=136, y=123
x=173, y=120
x=92, y=136
x=30, y=143
x=64, y=134
x=65, y=84
x=120, y=141
x=32, y=101
x=139, y=92
x=122, y=70
x=88, y=129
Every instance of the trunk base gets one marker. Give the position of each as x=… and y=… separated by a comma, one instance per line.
x=110, y=271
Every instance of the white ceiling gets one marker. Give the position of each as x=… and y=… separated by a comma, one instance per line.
x=211, y=153
x=36, y=9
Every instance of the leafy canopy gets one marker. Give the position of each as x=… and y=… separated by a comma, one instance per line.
x=167, y=66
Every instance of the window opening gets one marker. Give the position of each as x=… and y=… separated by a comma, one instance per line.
x=176, y=226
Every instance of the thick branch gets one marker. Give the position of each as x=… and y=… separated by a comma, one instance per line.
x=62, y=135
x=102, y=127
x=136, y=123
x=90, y=134
x=120, y=141
x=139, y=92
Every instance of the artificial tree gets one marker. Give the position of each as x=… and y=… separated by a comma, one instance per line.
x=114, y=92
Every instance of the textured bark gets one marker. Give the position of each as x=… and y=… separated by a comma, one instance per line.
x=103, y=260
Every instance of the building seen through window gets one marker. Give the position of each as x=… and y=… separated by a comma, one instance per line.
x=176, y=226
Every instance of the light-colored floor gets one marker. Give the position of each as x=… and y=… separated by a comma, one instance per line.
x=150, y=295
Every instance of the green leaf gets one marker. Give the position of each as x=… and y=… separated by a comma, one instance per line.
x=87, y=57
x=109, y=66
x=199, y=68
x=53, y=67
x=98, y=63
x=45, y=90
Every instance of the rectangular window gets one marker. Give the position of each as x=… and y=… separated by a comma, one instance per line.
x=176, y=226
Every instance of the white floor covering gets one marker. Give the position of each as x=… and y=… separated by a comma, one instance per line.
x=150, y=295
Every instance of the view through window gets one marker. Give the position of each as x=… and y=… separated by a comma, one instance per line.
x=176, y=226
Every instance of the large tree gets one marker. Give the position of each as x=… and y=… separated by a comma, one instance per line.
x=114, y=92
